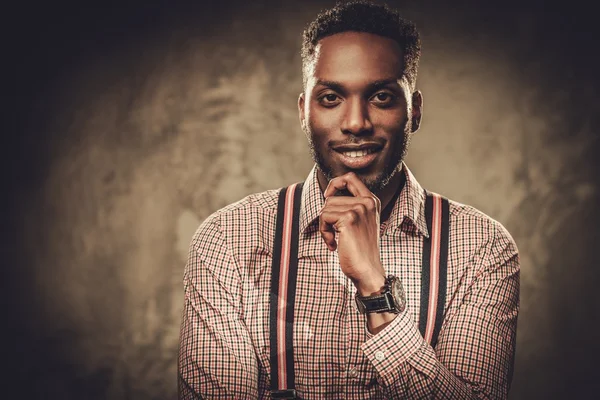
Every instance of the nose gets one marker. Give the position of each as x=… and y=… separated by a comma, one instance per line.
x=356, y=119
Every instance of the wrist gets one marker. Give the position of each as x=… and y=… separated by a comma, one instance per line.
x=390, y=299
x=370, y=286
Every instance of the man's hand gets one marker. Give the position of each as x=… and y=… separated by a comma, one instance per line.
x=356, y=221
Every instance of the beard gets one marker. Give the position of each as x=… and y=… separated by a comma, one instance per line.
x=382, y=179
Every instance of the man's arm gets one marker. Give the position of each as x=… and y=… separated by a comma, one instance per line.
x=474, y=355
x=216, y=356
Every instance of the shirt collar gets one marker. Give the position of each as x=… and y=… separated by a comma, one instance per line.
x=409, y=206
x=312, y=201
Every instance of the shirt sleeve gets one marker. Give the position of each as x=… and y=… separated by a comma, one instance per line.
x=216, y=357
x=474, y=356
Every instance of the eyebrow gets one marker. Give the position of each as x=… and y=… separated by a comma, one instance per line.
x=372, y=86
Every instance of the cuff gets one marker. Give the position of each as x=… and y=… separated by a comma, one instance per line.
x=396, y=344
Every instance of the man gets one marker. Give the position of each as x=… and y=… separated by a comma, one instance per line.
x=362, y=229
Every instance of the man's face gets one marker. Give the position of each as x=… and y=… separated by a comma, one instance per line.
x=357, y=109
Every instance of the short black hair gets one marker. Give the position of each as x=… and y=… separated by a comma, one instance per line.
x=364, y=16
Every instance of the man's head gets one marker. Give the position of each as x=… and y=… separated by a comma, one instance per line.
x=359, y=106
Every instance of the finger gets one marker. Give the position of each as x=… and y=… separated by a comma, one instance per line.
x=378, y=203
x=327, y=221
x=372, y=203
x=337, y=220
x=334, y=186
x=366, y=207
x=358, y=208
x=348, y=181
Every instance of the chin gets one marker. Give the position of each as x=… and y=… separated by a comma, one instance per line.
x=373, y=181
x=375, y=185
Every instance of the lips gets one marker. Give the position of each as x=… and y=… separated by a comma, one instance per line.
x=357, y=156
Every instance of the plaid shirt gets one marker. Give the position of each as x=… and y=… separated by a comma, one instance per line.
x=224, y=343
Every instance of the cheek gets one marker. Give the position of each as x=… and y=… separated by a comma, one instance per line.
x=388, y=120
x=323, y=122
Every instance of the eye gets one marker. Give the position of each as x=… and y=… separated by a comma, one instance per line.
x=329, y=100
x=383, y=98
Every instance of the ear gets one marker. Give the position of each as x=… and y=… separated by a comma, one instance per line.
x=417, y=110
x=301, y=110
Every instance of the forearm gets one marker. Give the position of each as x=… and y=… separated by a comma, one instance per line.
x=216, y=356
x=424, y=376
x=407, y=365
x=474, y=354
x=462, y=368
x=215, y=361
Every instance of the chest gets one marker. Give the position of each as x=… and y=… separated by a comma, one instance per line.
x=328, y=330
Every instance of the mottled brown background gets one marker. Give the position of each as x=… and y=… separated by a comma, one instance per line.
x=126, y=126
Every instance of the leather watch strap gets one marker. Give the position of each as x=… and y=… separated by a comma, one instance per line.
x=379, y=303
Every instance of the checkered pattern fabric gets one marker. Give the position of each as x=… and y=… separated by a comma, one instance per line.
x=224, y=343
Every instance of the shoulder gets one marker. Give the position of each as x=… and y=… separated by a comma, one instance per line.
x=477, y=221
x=237, y=219
x=227, y=238
x=484, y=237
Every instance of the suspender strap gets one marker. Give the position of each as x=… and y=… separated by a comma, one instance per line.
x=283, y=293
x=434, y=267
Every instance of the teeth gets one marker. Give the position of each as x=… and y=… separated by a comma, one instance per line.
x=358, y=153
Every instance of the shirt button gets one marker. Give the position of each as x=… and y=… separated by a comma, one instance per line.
x=379, y=356
x=352, y=373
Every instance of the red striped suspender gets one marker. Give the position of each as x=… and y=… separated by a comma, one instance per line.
x=284, y=276
x=434, y=267
x=283, y=293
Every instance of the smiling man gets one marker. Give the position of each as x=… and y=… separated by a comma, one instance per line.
x=368, y=286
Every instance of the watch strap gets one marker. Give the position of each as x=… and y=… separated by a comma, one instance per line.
x=378, y=303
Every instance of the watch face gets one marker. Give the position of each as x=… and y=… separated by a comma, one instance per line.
x=398, y=293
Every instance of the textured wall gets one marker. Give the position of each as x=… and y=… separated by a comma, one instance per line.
x=134, y=124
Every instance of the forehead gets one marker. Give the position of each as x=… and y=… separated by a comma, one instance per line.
x=356, y=56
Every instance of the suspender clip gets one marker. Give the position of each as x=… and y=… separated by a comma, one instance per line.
x=284, y=394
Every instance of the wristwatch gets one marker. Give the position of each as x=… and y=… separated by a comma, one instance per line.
x=391, y=299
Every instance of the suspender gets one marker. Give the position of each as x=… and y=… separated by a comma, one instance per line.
x=434, y=267
x=285, y=272
x=283, y=293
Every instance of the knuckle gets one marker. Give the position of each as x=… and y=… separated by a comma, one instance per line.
x=370, y=203
x=362, y=208
x=323, y=219
x=352, y=216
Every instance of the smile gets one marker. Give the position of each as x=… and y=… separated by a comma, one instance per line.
x=355, y=159
x=358, y=153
